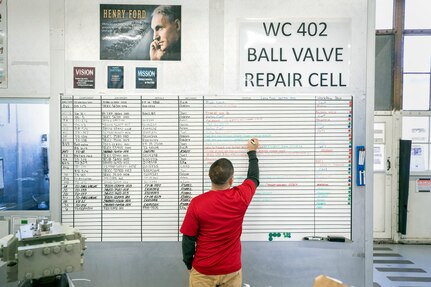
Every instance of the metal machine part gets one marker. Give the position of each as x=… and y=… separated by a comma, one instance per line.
x=42, y=251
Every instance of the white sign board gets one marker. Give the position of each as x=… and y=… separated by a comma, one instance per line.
x=423, y=185
x=131, y=165
x=276, y=56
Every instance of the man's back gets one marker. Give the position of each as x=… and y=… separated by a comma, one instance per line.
x=220, y=214
x=212, y=226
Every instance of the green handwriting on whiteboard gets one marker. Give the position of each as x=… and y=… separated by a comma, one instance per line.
x=271, y=235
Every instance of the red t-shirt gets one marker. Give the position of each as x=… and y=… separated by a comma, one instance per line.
x=216, y=217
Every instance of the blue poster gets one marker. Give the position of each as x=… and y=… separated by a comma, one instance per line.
x=146, y=78
x=115, y=77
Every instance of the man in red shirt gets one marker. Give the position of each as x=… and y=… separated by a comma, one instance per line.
x=212, y=226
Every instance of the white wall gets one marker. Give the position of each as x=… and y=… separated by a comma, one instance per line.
x=418, y=214
x=190, y=75
x=28, y=49
x=213, y=68
x=47, y=38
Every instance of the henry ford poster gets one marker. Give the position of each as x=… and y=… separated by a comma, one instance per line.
x=140, y=32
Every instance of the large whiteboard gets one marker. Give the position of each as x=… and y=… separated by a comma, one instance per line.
x=131, y=164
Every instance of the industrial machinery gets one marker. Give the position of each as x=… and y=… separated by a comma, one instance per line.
x=43, y=254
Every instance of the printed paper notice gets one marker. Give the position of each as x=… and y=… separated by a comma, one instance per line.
x=423, y=185
x=115, y=77
x=146, y=78
x=83, y=77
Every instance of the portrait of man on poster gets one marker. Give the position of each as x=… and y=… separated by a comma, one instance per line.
x=166, y=26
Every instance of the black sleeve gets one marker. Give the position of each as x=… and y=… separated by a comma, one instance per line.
x=253, y=167
x=188, y=245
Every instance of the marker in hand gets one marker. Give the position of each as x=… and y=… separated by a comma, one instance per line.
x=253, y=144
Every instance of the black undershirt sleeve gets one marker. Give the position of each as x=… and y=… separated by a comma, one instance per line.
x=253, y=167
x=189, y=248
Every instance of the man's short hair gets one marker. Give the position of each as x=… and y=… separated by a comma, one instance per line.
x=173, y=12
x=221, y=171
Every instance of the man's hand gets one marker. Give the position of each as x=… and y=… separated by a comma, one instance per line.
x=156, y=53
x=253, y=144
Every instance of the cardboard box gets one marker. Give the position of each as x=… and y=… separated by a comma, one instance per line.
x=325, y=281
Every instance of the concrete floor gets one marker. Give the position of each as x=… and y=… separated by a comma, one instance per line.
x=395, y=265
x=402, y=265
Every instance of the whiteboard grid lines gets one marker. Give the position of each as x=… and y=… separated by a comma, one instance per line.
x=123, y=152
